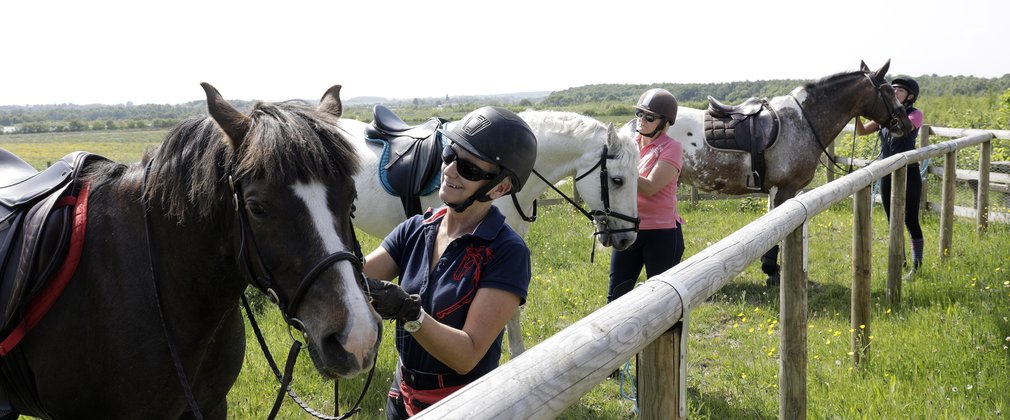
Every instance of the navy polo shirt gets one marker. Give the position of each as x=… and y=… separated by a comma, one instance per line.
x=890, y=145
x=492, y=256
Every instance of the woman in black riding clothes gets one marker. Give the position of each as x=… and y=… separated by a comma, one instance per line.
x=907, y=91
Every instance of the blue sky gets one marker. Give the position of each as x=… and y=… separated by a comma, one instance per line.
x=112, y=52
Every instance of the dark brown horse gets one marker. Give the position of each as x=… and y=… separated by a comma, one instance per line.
x=810, y=117
x=283, y=225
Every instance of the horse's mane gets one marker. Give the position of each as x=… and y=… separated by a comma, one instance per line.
x=581, y=126
x=828, y=80
x=577, y=125
x=286, y=142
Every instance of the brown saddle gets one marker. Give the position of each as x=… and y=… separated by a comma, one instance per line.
x=34, y=226
x=751, y=126
x=411, y=156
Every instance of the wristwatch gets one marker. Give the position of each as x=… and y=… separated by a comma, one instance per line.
x=415, y=325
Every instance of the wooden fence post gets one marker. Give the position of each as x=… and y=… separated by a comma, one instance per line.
x=982, y=213
x=923, y=142
x=896, y=237
x=947, y=203
x=861, y=264
x=658, y=377
x=793, y=317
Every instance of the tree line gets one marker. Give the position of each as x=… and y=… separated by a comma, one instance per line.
x=732, y=92
x=599, y=100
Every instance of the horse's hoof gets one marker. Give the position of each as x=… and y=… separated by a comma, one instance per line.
x=773, y=280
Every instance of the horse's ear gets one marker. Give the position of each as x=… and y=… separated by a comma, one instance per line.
x=863, y=66
x=331, y=102
x=883, y=71
x=234, y=123
x=611, y=133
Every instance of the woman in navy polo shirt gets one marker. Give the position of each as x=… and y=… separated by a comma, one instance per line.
x=463, y=272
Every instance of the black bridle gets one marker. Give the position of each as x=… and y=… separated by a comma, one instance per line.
x=264, y=282
x=256, y=272
x=598, y=217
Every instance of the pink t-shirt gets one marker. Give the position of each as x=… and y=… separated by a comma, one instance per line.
x=916, y=118
x=659, y=211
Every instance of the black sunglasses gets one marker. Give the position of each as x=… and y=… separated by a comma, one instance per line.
x=648, y=117
x=465, y=168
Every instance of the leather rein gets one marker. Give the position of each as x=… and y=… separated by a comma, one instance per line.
x=251, y=262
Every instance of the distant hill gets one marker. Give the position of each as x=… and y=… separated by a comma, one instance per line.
x=499, y=99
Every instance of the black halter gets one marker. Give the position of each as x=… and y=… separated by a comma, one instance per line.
x=598, y=217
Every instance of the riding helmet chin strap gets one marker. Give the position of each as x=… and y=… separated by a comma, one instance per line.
x=479, y=195
x=659, y=128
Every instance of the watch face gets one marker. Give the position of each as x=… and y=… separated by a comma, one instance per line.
x=411, y=326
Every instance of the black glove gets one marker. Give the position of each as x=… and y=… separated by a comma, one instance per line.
x=390, y=301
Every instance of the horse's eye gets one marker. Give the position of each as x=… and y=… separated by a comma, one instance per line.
x=255, y=208
x=619, y=181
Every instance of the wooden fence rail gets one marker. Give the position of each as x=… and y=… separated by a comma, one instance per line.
x=545, y=380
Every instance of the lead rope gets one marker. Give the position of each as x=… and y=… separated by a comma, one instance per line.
x=179, y=370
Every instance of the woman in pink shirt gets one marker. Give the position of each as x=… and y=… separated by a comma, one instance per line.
x=660, y=243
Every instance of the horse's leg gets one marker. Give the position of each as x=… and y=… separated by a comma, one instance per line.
x=220, y=368
x=770, y=260
x=515, y=333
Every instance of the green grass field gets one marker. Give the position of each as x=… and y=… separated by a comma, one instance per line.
x=943, y=354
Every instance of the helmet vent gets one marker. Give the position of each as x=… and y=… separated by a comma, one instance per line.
x=475, y=124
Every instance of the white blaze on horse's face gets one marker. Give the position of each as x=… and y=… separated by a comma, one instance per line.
x=314, y=195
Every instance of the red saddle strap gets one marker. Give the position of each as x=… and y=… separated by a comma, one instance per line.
x=54, y=287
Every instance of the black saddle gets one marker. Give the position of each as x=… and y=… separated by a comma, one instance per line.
x=411, y=157
x=34, y=226
x=751, y=126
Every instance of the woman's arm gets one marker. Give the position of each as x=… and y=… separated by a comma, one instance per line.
x=380, y=265
x=461, y=350
x=662, y=174
x=870, y=127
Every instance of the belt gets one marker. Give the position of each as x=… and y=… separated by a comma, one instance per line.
x=425, y=381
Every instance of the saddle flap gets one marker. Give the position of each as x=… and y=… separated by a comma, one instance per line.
x=19, y=185
x=13, y=169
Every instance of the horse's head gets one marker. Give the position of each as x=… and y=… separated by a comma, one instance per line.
x=290, y=171
x=881, y=105
x=608, y=182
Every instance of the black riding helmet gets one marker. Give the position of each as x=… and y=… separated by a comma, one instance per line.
x=498, y=136
x=908, y=84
